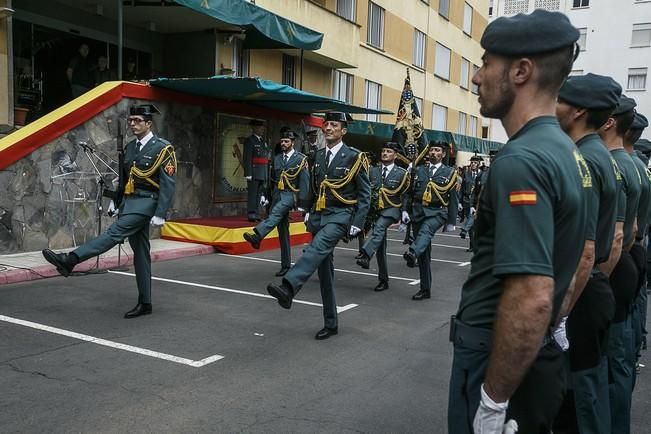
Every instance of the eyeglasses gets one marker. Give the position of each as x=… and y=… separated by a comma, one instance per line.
x=135, y=120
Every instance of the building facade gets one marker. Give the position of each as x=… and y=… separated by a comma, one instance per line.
x=615, y=40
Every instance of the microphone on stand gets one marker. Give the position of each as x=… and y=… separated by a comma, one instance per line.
x=85, y=146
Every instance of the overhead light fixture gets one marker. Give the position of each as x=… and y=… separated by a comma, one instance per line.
x=6, y=12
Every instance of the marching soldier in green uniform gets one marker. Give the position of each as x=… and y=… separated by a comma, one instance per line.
x=468, y=185
x=390, y=182
x=343, y=191
x=290, y=178
x=624, y=278
x=434, y=202
x=256, y=168
x=150, y=163
x=530, y=226
x=584, y=105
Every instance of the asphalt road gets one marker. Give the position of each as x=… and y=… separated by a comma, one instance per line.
x=386, y=372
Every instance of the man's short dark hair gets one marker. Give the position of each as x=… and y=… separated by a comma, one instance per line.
x=554, y=68
x=624, y=122
x=596, y=118
x=633, y=135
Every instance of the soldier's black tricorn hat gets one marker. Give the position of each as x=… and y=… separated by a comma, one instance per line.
x=438, y=144
x=288, y=134
x=338, y=116
x=528, y=34
x=256, y=122
x=143, y=110
x=625, y=104
x=591, y=91
x=640, y=122
x=392, y=145
x=476, y=158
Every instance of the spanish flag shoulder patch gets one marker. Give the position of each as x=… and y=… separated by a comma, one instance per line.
x=522, y=197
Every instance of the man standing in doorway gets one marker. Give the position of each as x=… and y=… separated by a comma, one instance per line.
x=79, y=72
x=256, y=168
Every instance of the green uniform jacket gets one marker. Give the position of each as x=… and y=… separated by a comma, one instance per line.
x=644, y=210
x=358, y=189
x=302, y=182
x=392, y=181
x=629, y=199
x=442, y=176
x=256, y=158
x=148, y=199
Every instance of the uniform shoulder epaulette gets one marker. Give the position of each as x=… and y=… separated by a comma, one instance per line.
x=300, y=154
x=355, y=149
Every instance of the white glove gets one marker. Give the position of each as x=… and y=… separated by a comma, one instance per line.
x=299, y=209
x=112, y=211
x=460, y=207
x=306, y=218
x=263, y=201
x=472, y=210
x=354, y=230
x=560, y=335
x=405, y=217
x=449, y=228
x=490, y=416
x=248, y=178
x=157, y=221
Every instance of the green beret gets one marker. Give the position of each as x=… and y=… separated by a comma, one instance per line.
x=591, y=91
x=538, y=32
x=625, y=104
x=640, y=122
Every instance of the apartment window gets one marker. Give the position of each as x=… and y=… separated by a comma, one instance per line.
x=419, y=48
x=444, y=8
x=375, y=25
x=581, y=3
x=289, y=70
x=490, y=8
x=442, y=64
x=512, y=7
x=576, y=72
x=419, y=104
x=342, y=87
x=465, y=72
x=637, y=78
x=439, y=117
x=461, y=128
x=583, y=35
x=372, y=97
x=484, y=132
x=473, y=126
x=550, y=5
x=473, y=87
x=467, y=19
x=346, y=9
x=641, y=35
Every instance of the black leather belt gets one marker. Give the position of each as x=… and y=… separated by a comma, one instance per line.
x=478, y=338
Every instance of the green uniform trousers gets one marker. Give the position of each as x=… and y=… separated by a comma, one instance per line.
x=424, y=231
x=318, y=255
x=377, y=244
x=254, y=191
x=621, y=365
x=279, y=218
x=135, y=227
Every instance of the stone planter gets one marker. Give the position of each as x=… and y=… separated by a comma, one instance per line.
x=20, y=116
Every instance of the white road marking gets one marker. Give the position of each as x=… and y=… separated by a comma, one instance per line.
x=434, y=244
x=253, y=258
x=395, y=254
x=463, y=264
x=234, y=291
x=112, y=344
x=415, y=282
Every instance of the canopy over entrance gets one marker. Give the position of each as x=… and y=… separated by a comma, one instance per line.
x=262, y=29
x=263, y=93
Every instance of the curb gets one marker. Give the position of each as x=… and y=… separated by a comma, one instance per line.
x=45, y=271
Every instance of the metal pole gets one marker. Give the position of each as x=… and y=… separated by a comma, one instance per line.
x=301, y=82
x=120, y=38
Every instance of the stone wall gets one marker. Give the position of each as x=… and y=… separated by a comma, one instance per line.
x=49, y=198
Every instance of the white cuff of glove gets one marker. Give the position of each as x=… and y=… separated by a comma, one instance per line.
x=299, y=209
x=405, y=217
x=157, y=221
x=354, y=230
x=263, y=201
x=306, y=218
x=450, y=228
x=472, y=210
x=490, y=416
x=460, y=207
x=112, y=210
x=248, y=178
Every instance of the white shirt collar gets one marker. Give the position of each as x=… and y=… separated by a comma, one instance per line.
x=437, y=165
x=289, y=154
x=389, y=167
x=335, y=150
x=145, y=139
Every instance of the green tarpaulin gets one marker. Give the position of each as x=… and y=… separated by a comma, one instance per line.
x=263, y=93
x=460, y=142
x=263, y=29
